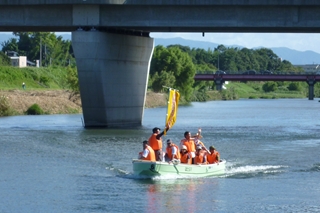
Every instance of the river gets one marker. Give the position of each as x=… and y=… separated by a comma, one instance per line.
x=50, y=163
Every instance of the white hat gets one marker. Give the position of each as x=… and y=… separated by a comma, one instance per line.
x=184, y=147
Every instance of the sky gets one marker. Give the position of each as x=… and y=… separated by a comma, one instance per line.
x=296, y=41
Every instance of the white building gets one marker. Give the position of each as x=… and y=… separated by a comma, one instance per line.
x=18, y=61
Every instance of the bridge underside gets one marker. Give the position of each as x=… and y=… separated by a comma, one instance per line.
x=161, y=16
x=113, y=72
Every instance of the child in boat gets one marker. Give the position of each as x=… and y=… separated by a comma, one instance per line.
x=185, y=157
x=201, y=156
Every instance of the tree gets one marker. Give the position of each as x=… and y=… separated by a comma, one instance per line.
x=4, y=59
x=164, y=79
x=174, y=62
x=269, y=86
x=10, y=45
x=44, y=46
x=294, y=86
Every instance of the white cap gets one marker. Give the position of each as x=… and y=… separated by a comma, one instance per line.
x=184, y=147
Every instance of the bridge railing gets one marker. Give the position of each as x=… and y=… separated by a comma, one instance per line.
x=220, y=72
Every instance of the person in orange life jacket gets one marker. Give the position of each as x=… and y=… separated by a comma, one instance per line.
x=188, y=141
x=147, y=153
x=185, y=157
x=214, y=157
x=172, y=152
x=155, y=141
x=201, y=156
x=197, y=141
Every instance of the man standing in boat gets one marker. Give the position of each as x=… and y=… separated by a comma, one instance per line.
x=155, y=141
x=188, y=141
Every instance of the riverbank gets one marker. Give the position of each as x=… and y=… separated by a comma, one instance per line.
x=66, y=102
x=61, y=101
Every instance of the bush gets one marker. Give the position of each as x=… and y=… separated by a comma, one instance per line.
x=295, y=86
x=34, y=110
x=4, y=105
x=269, y=86
x=44, y=80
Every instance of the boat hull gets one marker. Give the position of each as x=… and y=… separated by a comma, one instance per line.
x=156, y=168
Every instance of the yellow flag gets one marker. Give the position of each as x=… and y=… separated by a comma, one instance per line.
x=173, y=102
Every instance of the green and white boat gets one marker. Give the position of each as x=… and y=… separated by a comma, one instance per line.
x=157, y=168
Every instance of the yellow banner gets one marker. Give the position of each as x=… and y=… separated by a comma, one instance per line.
x=173, y=102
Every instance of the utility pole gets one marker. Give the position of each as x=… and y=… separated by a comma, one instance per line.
x=40, y=64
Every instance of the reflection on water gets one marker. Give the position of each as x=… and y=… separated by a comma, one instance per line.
x=177, y=195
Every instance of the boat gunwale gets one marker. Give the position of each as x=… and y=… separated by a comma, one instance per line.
x=177, y=164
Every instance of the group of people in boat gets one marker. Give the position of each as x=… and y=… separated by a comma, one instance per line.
x=191, y=149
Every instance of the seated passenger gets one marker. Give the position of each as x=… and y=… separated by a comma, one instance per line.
x=214, y=156
x=147, y=153
x=172, y=152
x=185, y=157
x=201, y=156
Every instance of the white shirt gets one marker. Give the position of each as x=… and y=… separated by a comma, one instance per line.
x=174, y=150
x=145, y=153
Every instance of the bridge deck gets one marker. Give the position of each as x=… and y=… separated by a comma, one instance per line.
x=241, y=77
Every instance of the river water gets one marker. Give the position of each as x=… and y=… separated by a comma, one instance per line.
x=50, y=163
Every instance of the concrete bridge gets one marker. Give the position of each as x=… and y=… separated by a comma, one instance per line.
x=220, y=79
x=112, y=45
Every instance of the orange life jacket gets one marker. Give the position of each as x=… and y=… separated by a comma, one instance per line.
x=214, y=157
x=185, y=158
x=189, y=144
x=200, y=158
x=169, y=152
x=154, y=143
x=151, y=156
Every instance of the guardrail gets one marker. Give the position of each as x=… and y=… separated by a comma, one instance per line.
x=258, y=73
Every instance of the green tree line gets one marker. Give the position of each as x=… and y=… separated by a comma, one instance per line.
x=173, y=66
x=50, y=49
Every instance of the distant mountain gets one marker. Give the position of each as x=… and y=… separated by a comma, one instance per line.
x=294, y=56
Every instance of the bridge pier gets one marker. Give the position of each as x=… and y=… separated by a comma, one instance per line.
x=113, y=72
x=311, y=83
x=219, y=83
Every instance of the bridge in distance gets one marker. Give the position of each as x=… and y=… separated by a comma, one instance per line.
x=219, y=79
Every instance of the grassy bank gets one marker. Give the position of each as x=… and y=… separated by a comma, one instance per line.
x=50, y=89
x=34, y=78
